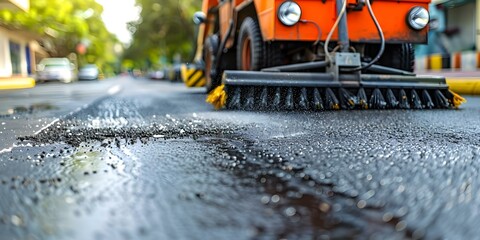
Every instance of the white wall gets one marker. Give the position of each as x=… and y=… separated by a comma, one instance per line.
x=464, y=18
x=478, y=25
x=5, y=63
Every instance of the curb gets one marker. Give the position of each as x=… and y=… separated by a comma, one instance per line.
x=16, y=83
x=467, y=86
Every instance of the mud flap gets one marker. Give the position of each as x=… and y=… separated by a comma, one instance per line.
x=193, y=75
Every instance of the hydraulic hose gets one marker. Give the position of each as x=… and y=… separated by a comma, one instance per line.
x=329, y=36
x=377, y=25
x=319, y=30
x=382, y=41
x=219, y=55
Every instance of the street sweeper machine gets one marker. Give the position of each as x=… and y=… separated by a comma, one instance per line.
x=314, y=55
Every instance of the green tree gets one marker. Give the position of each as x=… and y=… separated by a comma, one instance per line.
x=164, y=30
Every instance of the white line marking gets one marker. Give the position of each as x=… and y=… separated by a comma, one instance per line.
x=9, y=149
x=111, y=91
x=114, y=90
x=5, y=150
x=48, y=125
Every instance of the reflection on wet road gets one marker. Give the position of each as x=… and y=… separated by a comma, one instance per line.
x=156, y=162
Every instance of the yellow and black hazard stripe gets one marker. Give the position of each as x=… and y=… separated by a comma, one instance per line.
x=193, y=76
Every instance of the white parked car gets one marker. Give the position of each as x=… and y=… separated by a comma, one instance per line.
x=88, y=72
x=56, y=69
x=157, y=74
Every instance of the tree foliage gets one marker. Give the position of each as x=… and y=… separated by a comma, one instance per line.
x=64, y=24
x=164, y=30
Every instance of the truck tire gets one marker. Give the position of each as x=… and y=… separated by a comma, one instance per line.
x=399, y=56
x=212, y=78
x=249, y=46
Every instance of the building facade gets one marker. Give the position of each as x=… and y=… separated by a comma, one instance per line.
x=19, y=49
x=454, y=37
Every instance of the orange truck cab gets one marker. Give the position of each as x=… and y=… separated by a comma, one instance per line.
x=283, y=41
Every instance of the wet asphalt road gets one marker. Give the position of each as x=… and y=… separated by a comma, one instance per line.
x=151, y=160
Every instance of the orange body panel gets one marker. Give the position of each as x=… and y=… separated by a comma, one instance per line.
x=266, y=13
x=207, y=5
x=390, y=14
x=225, y=12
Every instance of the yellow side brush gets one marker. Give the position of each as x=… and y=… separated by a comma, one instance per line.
x=457, y=99
x=217, y=97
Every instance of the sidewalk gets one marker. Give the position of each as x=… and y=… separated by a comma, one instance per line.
x=16, y=83
x=461, y=82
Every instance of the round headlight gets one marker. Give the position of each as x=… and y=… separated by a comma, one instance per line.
x=289, y=13
x=418, y=18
